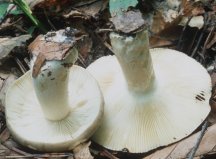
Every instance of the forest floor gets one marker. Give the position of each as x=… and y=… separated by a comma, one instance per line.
x=186, y=26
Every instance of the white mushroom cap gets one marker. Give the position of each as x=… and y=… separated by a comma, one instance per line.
x=28, y=125
x=54, y=107
x=175, y=106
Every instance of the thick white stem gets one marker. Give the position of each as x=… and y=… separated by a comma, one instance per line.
x=135, y=60
x=51, y=87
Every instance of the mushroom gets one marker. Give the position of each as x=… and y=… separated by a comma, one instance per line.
x=58, y=107
x=153, y=97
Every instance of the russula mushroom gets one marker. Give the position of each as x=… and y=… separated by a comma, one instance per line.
x=153, y=97
x=59, y=106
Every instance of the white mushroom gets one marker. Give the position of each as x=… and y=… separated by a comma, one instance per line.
x=57, y=109
x=152, y=98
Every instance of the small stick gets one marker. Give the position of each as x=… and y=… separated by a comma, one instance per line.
x=182, y=33
x=19, y=63
x=41, y=156
x=104, y=30
x=201, y=35
x=199, y=139
x=208, y=39
x=48, y=20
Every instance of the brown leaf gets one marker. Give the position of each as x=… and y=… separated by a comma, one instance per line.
x=8, y=44
x=94, y=8
x=51, y=50
x=38, y=64
x=6, y=79
x=52, y=46
x=128, y=22
x=82, y=151
x=182, y=148
x=4, y=136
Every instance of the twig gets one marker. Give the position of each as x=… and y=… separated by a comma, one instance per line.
x=19, y=63
x=201, y=35
x=81, y=60
x=20, y=28
x=42, y=155
x=103, y=30
x=10, y=24
x=182, y=33
x=208, y=39
x=48, y=20
x=199, y=139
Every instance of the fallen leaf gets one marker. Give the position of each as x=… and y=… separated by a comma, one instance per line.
x=5, y=135
x=82, y=151
x=94, y=8
x=128, y=22
x=6, y=79
x=8, y=44
x=84, y=46
x=182, y=148
x=52, y=46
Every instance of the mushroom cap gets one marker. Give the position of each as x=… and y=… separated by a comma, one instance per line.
x=173, y=109
x=28, y=125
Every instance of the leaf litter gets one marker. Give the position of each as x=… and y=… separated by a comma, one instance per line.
x=92, y=18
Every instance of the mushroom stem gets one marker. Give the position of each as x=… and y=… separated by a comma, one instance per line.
x=51, y=86
x=135, y=60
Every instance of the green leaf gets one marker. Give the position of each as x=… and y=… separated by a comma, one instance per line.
x=31, y=30
x=26, y=9
x=3, y=9
x=116, y=7
x=16, y=11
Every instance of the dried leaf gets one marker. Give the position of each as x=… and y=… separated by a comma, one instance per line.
x=182, y=148
x=51, y=50
x=8, y=44
x=5, y=135
x=84, y=46
x=5, y=81
x=45, y=3
x=128, y=22
x=82, y=151
x=38, y=64
x=94, y=8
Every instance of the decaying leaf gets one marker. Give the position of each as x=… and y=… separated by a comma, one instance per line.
x=6, y=80
x=182, y=148
x=129, y=21
x=52, y=46
x=50, y=50
x=8, y=44
x=82, y=151
x=94, y=8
